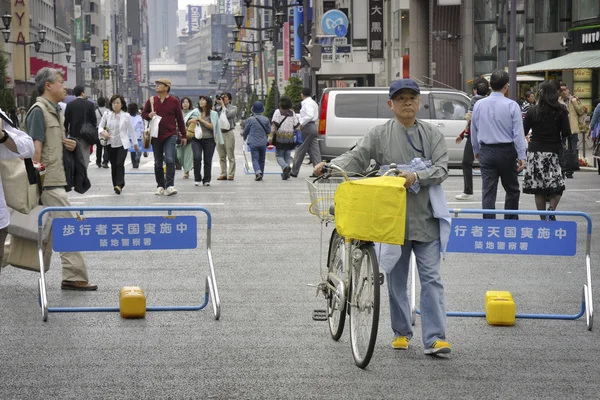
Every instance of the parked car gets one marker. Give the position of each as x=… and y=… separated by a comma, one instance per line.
x=346, y=114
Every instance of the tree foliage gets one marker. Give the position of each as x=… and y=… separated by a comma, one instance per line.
x=7, y=100
x=293, y=91
x=270, y=106
x=33, y=98
x=3, y=70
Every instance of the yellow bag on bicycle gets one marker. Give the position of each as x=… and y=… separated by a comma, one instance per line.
x=373, y=210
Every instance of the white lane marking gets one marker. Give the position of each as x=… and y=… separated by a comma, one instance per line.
x=76, y=203
x=188, y=204
x=472, y=202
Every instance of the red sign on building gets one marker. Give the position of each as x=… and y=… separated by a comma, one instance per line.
x=37, y=64
x=137, y=67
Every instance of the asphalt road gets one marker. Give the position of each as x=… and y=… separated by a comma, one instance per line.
x=266, y=345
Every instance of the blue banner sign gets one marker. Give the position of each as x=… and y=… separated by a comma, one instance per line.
x=524, y=237
x=124, y=233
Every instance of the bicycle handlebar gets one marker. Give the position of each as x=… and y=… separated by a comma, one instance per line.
x=328, y=169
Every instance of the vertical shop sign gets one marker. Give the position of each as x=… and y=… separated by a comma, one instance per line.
x=375, y=29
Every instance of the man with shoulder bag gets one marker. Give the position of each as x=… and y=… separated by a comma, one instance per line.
x=13, y=144
x=80, y=122
x=45, y=124
x=171, y=128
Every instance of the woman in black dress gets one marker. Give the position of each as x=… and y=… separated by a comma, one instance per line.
x=549, y=123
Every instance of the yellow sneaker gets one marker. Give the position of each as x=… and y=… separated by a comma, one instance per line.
x=438, y=347
x=400, y=342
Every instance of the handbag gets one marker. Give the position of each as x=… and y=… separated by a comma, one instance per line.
x=191, y=130
x=154, y=122
x=223, y=121
x=298, y=137
x=22, y=250
x=146, y=136
x=569, y=160
x=88, y=131
x=22, y=184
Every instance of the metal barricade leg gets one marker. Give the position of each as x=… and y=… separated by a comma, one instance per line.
x=212, y=280
x=587, y=291
x=413, y=288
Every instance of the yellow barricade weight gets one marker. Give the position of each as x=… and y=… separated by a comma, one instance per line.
x=373, y=210
x=500, y=308
x=132, y=302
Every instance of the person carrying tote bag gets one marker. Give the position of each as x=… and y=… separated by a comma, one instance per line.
x=13, y=144
x=207, y=135
x=185, y=155
x=117, y=128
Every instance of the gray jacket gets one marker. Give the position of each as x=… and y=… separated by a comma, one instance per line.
x=388, y=144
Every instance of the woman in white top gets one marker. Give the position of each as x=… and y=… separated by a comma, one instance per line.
x=116, y=128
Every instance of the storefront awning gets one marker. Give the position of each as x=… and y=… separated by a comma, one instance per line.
x=580, y=59
x=522, y=78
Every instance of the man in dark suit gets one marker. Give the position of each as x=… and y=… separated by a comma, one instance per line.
x=78, y=111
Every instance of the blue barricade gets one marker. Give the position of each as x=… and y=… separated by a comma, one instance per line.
x=518, y=237
x=144, y=233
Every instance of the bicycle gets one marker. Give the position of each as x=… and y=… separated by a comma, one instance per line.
x=357, y=293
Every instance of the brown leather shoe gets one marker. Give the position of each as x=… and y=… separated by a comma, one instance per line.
x=222, y=178
x=78, y=285
x=230, y=178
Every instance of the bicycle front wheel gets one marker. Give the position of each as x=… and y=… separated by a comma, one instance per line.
x=364, y=305
x=336, y=309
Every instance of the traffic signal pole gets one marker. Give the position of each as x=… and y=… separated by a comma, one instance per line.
x=307, y=72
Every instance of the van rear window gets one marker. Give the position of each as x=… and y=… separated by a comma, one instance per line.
x=367, y=105
x=356, y=105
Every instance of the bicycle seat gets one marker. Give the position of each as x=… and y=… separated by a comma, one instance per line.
x=332, y=210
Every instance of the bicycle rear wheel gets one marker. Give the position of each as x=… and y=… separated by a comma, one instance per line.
x=336, y=310
x=364, y=305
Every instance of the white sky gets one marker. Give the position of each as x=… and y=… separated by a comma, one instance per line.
x=184, y=3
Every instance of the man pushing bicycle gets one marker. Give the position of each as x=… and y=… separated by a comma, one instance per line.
x=404, y=140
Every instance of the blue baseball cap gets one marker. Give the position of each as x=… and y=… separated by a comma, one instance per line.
x=404, y=84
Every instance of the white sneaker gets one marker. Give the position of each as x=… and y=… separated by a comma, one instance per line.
x=197, y=183
x=463, y=196
x=171, y=191
x=160, y=191
x=206, y=183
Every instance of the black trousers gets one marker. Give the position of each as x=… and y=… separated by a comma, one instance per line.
x=499, y=162
x=101, y=154
x=467, y=166
x=203, y=149
x=117, y=156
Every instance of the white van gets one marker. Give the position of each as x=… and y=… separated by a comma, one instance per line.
x=346, y=114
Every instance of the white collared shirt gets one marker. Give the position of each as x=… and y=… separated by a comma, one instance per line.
x=309, y=111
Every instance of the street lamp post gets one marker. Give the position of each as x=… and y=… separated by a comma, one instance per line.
x=53, y=53
x=6, y=20
x=279, y=11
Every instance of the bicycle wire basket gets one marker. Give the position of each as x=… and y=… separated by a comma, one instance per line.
x=321, y=196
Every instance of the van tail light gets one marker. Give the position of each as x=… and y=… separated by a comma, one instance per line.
x=323, y=114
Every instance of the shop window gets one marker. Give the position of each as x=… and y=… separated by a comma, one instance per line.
x=585, y=9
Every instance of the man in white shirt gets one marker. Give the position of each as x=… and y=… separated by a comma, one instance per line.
x=309, y=116
x=13, y=144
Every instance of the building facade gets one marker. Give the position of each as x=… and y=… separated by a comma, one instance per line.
x=162, y=18
x=24, y=63
x=449, y=44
